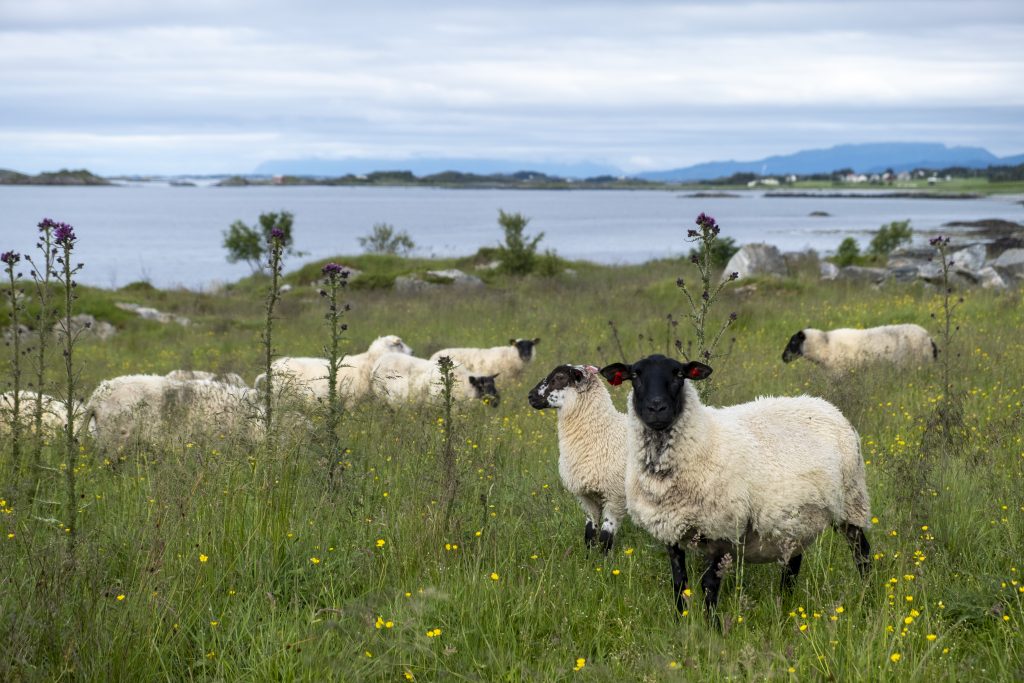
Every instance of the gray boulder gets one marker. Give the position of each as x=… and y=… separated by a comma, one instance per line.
x=147, y=313
x=989, y=278
x=457, y=278
x=85, y=325
x=756, y=259
x=970, y=259
x=862, y=274
x=828, y=270
x=1010, y=264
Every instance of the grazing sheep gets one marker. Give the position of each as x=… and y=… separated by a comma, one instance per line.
x=591, y=446
x=761, y=479
x=309, y=375
x=55, y=411
x=134, y=406
x=204, y=376
x=497, y=360
x=845, y=349
x=399, y=378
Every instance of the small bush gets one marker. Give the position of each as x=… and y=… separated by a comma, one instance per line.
x=889, y=237
x=722, y=250
x=848, y=253
x=384, y=240
x=519, y=252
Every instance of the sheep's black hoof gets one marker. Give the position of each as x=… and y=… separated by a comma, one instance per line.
x=606, y=538
x=590, y=535
x=789, y=572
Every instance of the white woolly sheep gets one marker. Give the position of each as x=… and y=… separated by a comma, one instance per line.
x=845, y=349
x=308, y=376
x=508, y=360
x=591, y=446
x=398, y=378
x=55, y=412
x=759, y=480
x=204, y=376
x=134, y=406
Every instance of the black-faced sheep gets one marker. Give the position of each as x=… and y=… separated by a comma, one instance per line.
x=398, y=378
x=507, y=361
x=759, y=480
x=845, y=349
x=591, y=446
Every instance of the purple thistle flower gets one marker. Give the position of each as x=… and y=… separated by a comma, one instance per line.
x=938, y=241
x=692, y=233
x=47, y=224
x=706, y=222
x=10, y=258
x=331, y=269
x=64, y=234
x=277, y=234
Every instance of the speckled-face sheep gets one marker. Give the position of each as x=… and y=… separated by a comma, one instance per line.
x=205, y=376
x=845, y=349
x=759, y=480
x=55, y=412
x=591, y=446
x=133, y=406
x=398, y=378
x=507, y=361
x=308, y=376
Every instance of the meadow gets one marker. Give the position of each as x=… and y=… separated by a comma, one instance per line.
x=216, y=557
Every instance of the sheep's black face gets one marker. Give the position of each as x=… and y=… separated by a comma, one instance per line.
x=795, y=347
x=658, y=395
x=486, y=389
x=525, y=347
x=550, y=391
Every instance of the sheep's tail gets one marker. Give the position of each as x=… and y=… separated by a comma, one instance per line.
x=856, y=504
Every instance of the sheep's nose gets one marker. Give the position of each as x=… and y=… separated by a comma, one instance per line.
x=658, y=406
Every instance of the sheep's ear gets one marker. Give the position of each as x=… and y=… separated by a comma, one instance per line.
x=616, y=373
x=695, y=371
x=536, y=341
x=577, y=375
x=512, y=342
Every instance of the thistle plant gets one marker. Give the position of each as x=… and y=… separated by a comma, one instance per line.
x=449, y=479
x=64, y=237
x=700, y=305
x=10, y=259
x=275, y=249
x=336, y=279
x=948, y=421
x=41, y=278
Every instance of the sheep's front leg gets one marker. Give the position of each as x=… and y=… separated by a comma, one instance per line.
x=609, y=525
x=677, y=560
x=712, y=580
x=861, y=549
x=593, y=512
x=789, y=572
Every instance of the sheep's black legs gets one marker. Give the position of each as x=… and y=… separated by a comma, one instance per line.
x=677, y=559
x=789, y=572
x=859, y=542
x=711, y=582
x=606, y=538
x=590, y=534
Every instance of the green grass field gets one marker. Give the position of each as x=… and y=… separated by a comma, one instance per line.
x=209, y=557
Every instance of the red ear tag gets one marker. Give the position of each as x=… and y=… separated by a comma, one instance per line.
x=694, y=372
x=616, y=380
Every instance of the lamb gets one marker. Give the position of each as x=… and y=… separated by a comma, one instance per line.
x=591, y=446
x=54, y=411
x=133, y=406
x=498, y=360
x=399, y=378
x=845, y=349
x=309, y=375
x=203, y=376
x=762, y=478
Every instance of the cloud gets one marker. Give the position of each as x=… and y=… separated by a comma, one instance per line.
x=576, y=80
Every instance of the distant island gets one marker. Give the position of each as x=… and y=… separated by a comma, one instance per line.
x=62, y=177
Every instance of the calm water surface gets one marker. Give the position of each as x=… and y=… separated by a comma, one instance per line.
x=172, y=235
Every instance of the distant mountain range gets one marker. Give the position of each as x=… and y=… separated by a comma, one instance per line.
x=861, y=158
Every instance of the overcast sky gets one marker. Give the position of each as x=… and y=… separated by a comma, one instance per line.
x=211, y=86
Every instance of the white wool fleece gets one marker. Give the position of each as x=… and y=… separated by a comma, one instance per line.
x=503, y=360
x=397, y=378
x=846, y=348
x=769, y=475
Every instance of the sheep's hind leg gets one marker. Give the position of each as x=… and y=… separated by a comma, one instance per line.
x=789, y=572
x=677, y=560
x=859, y=543
x=711, y=583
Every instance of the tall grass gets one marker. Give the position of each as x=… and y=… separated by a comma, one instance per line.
x=195, y=563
